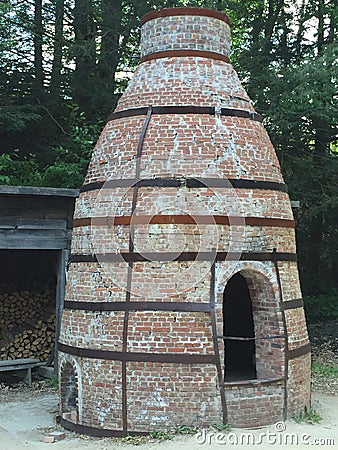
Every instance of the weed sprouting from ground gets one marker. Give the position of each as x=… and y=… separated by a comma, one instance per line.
x=309, y=415
x=161, y=435
x=52, y=383
x=221, y=426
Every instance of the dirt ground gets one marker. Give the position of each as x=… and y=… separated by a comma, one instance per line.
x=24, y=423
x=27, y=415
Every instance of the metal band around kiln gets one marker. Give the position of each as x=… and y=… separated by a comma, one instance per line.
x=184, y=256
x=186, y=109
x=191, y=183
x=130, y=267
x=138, y=306
x=179, y=358
x=170, y=12
x=298, y=352
x=155, y=306
x=97, y=432
x=216, y=346
x=185, y=53
x=293, y=304
x=183, y=220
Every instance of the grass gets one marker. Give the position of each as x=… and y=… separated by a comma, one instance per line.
x=309, y=415
x=135, y=440
x=221, y=426
x=159, y=435
x=325, y=370
x=52, y=383
x=185, y=429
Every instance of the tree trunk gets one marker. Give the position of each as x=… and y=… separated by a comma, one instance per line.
x=300, y=31
x=55, y=84
x=270, y=23
x=320, y=37
x=111, y=11
x=38, y=40
x=84, y=81
x=333, y=21
x=321, y=147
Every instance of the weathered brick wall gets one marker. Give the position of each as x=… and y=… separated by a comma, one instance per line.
x=299, y=385
x=261, y=403
x=101, y=393
x=162, y=395
x=185, y=33
x=190, y=146
x=196, y=80
x=125, y=307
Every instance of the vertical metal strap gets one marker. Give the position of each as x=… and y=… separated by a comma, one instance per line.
x=286, y=341
x=216, y=347
x=130, y=268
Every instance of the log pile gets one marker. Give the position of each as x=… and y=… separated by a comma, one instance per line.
x=27, y=324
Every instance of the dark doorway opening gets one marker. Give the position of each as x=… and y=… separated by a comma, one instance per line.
x=238, y=331
x=26, y=269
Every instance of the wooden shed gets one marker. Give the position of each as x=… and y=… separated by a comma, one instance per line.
x=35, y=239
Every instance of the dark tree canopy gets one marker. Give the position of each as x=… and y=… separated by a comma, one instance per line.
x=64, y=64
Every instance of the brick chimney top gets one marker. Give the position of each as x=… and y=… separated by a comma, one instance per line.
x=197, y=31
x=167, y=12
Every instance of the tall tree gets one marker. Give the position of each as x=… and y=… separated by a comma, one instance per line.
x=111, y=29
x=58, y=42
x=290, y=74
x=84, y=78
x=38, y=41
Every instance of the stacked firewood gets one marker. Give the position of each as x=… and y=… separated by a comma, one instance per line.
x=27, y=324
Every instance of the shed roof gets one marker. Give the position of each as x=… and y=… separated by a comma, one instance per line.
x=38, y=191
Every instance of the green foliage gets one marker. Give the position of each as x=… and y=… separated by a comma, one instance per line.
x=165, y=435
x=69, y=166
x=221, y=426
x=321, y=307
x=161, y=435
x=22, y=172
x=185, y=429
x=135, y=440
x=68, y=162
x=327, y=371
x=15, y=117
x=169, y=434
x=52, y=383
x=294, y=86
x=309, y=415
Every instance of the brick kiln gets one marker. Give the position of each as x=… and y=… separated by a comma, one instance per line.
x=183, y=303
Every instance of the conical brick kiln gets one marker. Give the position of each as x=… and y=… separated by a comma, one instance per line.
x=183, y=303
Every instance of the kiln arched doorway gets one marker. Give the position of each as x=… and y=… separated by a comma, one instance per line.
x=255, y=367
x=238, y=331
x=69, y=394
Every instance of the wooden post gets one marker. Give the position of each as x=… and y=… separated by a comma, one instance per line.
x=60, y=295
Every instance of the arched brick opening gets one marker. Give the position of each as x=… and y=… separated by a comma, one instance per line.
x=69, y=392
x=269, y=332
x=238, y=331
x=260, y=400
